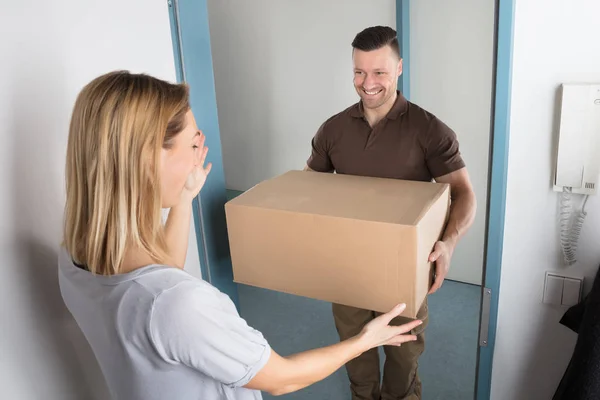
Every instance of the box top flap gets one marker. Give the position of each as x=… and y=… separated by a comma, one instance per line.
x=345, y=196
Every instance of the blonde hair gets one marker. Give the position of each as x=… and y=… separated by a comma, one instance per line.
x=119, y=125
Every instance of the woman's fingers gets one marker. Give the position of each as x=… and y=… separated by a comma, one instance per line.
x=399, y=339
x=399, y=330
x=399, y=335
x=393, y=313
x=201, y=156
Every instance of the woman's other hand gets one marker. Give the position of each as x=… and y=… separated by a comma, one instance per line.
x=379, y=332
x=196, y=179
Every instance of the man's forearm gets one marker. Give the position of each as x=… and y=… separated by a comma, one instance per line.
x=462, y=215
x=177, y=231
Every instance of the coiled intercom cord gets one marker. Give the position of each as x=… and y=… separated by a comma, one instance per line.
x=569, y=235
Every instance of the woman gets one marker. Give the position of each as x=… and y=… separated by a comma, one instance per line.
x=157, y=332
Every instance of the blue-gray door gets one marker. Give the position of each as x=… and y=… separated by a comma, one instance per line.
x=193, y=59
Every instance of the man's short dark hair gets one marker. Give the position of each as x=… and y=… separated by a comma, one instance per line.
x=376, y=37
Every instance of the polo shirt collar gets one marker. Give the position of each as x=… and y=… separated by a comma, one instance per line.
x=400, y=106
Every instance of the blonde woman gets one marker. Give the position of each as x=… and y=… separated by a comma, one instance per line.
x=157, y=332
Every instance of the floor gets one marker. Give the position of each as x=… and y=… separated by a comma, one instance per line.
x=292, y=324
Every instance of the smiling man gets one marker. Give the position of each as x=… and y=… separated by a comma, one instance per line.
x=384, y=135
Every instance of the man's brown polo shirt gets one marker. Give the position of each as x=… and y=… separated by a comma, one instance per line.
x=409, y=143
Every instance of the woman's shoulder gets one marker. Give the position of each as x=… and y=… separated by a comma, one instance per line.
x=176, y=289
x=158, y=279
x=174, y=284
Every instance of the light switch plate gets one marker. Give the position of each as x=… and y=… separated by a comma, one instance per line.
x=553, y=289
x=571, y=291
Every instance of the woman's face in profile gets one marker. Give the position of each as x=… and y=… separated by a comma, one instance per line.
x=179, y=161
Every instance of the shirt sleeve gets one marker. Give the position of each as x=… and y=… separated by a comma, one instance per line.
x=319, y=159
x=442, y=149
x=200, y=328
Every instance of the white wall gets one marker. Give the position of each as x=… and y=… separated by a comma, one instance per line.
x=451, y=71
x=554, y=42
x=281, y=69
x=49, y=51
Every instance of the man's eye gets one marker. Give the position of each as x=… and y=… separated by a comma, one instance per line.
x=195, y=147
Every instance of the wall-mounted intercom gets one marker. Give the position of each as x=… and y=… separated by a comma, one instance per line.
x=578, y=158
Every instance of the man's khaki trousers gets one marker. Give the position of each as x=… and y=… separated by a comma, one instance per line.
x=400, y=378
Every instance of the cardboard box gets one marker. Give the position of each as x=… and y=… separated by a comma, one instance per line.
x=351, y=240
